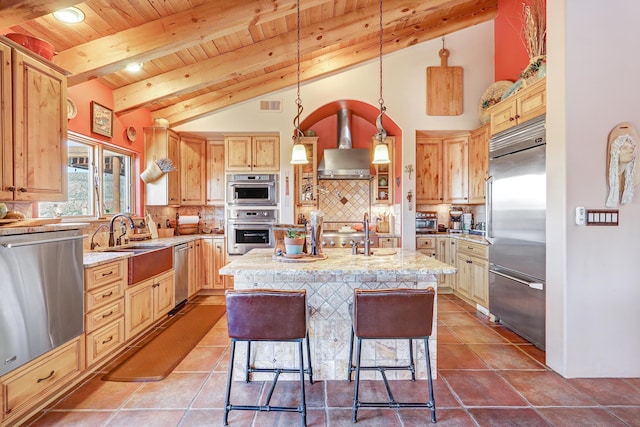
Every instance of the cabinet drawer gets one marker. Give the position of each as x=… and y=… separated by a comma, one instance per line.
x=103, y=315
x=104, y=295
x=103, y=274
x=35, y=379
x=104, y=341
x=425, y=243
x=473, y=249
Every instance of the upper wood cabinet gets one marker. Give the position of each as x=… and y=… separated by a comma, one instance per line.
x=33, y=151
x=429, y=188
x=252, y=153
x=383, y=181
x=456, y=169
x=478, y=163
x=162, y=143
x=192, y=170
x=525, y=105
x=215, y=173
x=306, y=176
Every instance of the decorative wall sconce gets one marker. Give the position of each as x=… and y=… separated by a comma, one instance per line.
x=398, y=181
x=410, y=199
x=408, y=169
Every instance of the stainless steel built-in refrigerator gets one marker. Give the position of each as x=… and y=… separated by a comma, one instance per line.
x=516, y=206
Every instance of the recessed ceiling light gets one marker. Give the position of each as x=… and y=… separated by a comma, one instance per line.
x=134, y=67
x=70, y=15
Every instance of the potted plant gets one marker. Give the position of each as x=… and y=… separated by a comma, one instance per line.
x=293, y=242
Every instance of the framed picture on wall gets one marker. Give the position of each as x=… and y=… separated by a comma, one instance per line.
x=101, y=120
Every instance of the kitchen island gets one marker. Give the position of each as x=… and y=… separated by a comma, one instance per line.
x=329, y=284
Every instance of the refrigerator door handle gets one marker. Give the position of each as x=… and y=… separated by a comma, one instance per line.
x=488, y=190
x=533, y=285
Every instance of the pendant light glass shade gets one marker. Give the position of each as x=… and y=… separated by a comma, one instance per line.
x=381, y=154
x=299, y=155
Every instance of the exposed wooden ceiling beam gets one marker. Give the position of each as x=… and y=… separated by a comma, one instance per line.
x=14, y=12
x=329, y=63
x=170, y=34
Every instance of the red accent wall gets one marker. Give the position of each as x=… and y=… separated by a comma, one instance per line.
x=510, y=54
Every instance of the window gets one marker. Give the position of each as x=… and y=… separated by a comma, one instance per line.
x=99, y=178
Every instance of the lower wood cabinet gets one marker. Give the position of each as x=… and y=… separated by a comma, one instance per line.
x=445, y=252
x=148, y=301
x=426, y=245
x=213, y=259
x=388, y=242
x=473, y=272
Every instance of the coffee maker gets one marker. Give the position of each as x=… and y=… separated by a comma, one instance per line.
x=455, y=220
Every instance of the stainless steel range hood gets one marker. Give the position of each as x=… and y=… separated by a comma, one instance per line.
x=345, y=162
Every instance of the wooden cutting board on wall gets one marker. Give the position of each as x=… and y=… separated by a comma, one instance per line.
x=444, y=88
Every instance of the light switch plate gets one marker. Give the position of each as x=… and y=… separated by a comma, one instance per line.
x=580, y=216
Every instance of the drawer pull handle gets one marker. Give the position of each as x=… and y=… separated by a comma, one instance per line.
x=107, y=314
x=107, y=274
x=469, y=261
x=107, y=340
x=107, y=295
x=47, y=377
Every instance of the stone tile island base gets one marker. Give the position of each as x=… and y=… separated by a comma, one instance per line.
x=330, y=284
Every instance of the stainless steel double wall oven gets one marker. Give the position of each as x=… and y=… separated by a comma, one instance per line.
x=252, y=201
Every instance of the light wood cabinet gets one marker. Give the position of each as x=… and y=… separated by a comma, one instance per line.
x=195, y=269
x=162, y=143
x=478, y=164
x=456, y=169
x=473, y=272
x=426, y=245
x=530, y=102
x=252, y=153
x=388, y=242
x=383, y=181
x=213, y=255
x=147, y=301
x=215, y=173
x=306, y=176
x=33, y=150
x=192, y=171
x=443, y=253
x=104, y=309
x=26, y=387
x=429, y=185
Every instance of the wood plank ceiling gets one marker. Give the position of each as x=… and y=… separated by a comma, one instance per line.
x=203, y=55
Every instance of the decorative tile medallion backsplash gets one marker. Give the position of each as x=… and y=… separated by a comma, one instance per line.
x=344, y=199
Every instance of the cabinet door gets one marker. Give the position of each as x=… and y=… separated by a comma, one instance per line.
x=40, y=131
x=162, y=143
x=237, y=153
x=138, y=308
x=192, y=171
x=6, y=131
x=163, y=295
x=532, y=102
x=208, y=263
x=429, y=170
x=456, y=169
x=383, y=182
x=173, y=179
x=442, y=254
x=451, y=260
x=464, y=266
x=215, y=173
x=266, y=154
x=306, y=176
x=388, y=242
x=480, y=281
x=503, y=116
x=219, y=262
x=193, y=263
x=478, y=163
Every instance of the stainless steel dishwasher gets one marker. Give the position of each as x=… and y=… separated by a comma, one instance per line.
x=41, y=294
x=181, y=273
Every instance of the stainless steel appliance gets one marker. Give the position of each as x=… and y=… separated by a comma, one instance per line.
x=426, y=222
x=41, y=294
x=252, y=189
x=455, y=220
x=181, y=273
x=516, y=204
x=249, y=229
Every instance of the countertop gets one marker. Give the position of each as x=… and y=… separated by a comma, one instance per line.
x=459, y=236
x=7, y=230
x=339, y=261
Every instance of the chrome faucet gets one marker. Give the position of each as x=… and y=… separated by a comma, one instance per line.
x=367, y=241
x=123, y=215
x=95, y=244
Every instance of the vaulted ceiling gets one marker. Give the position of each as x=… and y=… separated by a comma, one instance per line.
x=203, y=55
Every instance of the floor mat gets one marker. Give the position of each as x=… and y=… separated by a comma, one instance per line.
x=163, y=353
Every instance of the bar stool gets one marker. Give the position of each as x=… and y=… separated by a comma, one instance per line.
x=391, y=314
x=268, y=315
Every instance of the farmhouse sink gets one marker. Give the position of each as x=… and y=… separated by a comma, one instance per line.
x=146, y=261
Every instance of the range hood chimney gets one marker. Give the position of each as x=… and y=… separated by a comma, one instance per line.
x=344, y=162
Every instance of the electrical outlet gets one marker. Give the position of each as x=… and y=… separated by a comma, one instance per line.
x=580, y=216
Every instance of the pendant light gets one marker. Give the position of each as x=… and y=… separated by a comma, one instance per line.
x=299, y=152
x=381, y=152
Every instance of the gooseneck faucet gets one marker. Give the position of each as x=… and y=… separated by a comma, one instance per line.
x=95, y=244
x=367, y=241
x=113, y=218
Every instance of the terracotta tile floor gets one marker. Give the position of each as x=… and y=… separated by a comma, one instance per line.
x=488, y=376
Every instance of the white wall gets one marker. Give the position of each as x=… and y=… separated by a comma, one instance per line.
x=404, y=92
x=593, y=309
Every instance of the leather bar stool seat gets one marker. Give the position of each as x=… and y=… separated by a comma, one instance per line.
x=268, y=315
x=391, y=314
